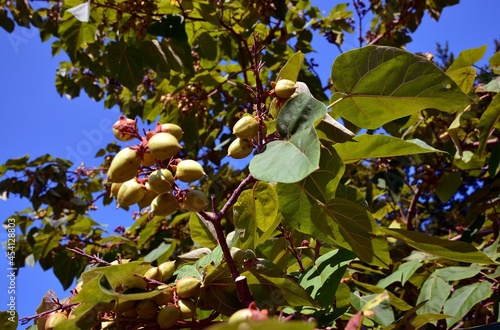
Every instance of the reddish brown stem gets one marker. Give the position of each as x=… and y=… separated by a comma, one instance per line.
x=412, y=210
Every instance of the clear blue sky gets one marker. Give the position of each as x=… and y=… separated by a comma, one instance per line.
x=36, y=121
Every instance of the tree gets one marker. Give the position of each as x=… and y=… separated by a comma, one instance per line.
x=326, y=226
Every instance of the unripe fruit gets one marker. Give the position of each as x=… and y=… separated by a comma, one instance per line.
x=148, y=159
x=187, y=307
x=118, y=134
x=124, y=166
x=240, y=316
x=165, y=297
x=115, y=187
x=130, y=192
x=168, y=316
x=188, y=287
x=148, y=197
x=285, y=88
x=240, y=148
x=164, y=204
x=146, y=309
x=166, y=269
x=134, y=282
x=55, y=319
x=189, y=170
x=124, y=306
x=195, y=201
x=161, y=180
x=173, y=129
x=246, y=128
x=153, y=274
x=163, y=145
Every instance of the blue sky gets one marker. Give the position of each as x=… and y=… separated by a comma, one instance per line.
x=36, y=121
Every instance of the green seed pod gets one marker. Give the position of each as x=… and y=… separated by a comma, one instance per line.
x=189, y=170
x=130, y=192
x=146, y=309
x=148, y=159
x=168, y=316
x=164, y=204
x=173, y=129
x=166, y=269
x=163, y=145
x=148, y=197
x=161, y=180
x=188, y=287
x=165, y=297
x=124, y=306
x=134, y=282
x=187, y=307
x=124, y=166
x=246, y=128
x=285, y=88
x=240, y=148
x=195, y=201
x=55, y=319
x=153, y=273
x=115, y=187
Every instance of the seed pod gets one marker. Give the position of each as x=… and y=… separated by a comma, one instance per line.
x=285, y=88
x=246, y=128
x=163, y=145
x=134, y=282
x=148, y=197
x=195, y=201
x=124, y=166
x=115, y=187
x=173, y=129
x=124, y=306
x=164, y=204
x=189, y=170
x=165, y=297
x=153, y=274
x=146, y=309
x=188, y=287
x=168, y=316
x=166, y=269
x=118, y=134
x=130, y=192
x=187, y=308
x=148, y=159
x=161, y=180
x=240, y=148
x=55, y=319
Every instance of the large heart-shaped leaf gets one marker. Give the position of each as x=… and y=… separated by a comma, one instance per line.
x=288, y=161
x=380, y=84
x=298, y=114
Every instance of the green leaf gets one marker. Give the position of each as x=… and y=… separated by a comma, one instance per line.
x=395, y=301
x=76, y=35
x=254, y=213
x=380, y=146
x=495, y=62
x=125, y=63
x=453, y=250
x=380, y=84
x=494, y=161
x=45, y=243
x=66, y=269
x=463, y=300
x=117, y=274
x=462, y=71
x=448, y=185
x=487, y=122
x=17, y=164
x=202, y=231
x=456, y=273
x=160, y=251
x=492, y=86
x=8, y=25
x=9, y=320
x=435, y=290
x=402, y=274
x=326, y=272
x=288, y=161
x=375, y=306
x=333, y=130
x=272, y=292
x=298, y=114
x=292, y=67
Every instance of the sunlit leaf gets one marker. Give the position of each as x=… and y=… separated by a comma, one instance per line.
x=292, y=67
x=464, y=298
x=462, y=70
x=380, y=146
x=435, y=291
x=202, y=231
x=487, y=122
x=380, y=84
